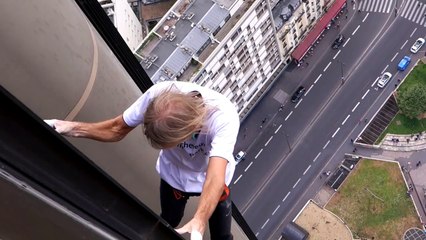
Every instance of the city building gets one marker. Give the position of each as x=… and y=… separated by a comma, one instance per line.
x=234, y=47
x=124, y=19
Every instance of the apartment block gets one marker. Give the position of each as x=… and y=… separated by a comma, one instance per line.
x=228, y=46
x=125, y=20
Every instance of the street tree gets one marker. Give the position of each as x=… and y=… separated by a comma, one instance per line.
x=412, y=101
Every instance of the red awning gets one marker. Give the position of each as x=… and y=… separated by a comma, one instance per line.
x=313, y=35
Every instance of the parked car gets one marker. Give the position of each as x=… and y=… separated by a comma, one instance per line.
x=298, y=94
x=339, y=41
x=384, y=79
x=240, y=156
x=403, y=64
x=417, y=45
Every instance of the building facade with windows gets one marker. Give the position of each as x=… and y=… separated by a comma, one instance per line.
x=124, y=19
x=234, y=47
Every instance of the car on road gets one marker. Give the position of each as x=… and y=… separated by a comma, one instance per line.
x=298, y=94
x=403, y=64
x=417, y=45
x=384, y=79
x=240, y=156
x=339, y=41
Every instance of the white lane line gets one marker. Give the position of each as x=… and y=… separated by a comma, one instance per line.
x=347, y=40
x=374, y=83
x=415, y=29
x=276, y=209
x=286, y=197
x=257, y=155
x=346, y=119
x=328, y=65
x=365, y=18
x=235, y=182
x=316, y=157
x=337, y=54
x=365, y=94
x=298, y=103
x=288, y=116
x=279, y=127
x=353, y=109
x=356, y=29
x=257, y=234
x=265, y=224
x=309, y=90
x=296, y=183
x=326, y=144
x=403, y=45
x=334, y=134
x=385, y=69
x=245, y=170
x=306, y=170
x=394, y=56
x=266, y=144
x=316, y=80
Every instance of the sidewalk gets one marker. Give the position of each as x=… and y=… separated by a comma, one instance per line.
x=404, y=143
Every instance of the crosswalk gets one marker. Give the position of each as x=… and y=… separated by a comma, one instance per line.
x=384, y=6
x=414, y=11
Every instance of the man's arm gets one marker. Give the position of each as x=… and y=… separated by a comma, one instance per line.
x=111, y=130
x=212, y=190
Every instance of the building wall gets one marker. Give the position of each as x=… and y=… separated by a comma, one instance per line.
x=245, y=59
x=298, y=26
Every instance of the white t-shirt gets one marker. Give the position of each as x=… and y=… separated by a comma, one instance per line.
x=184, y=166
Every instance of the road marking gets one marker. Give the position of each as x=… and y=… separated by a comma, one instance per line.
x=245, y=170
x=337, y=54
x=344, y=44
x=257, y=234
x=415, y=29
x=288, y=116
x=309, y=90
x=264, y=224
x=279, y=127
x=306, y=169
x=316, y=80
x=374, y=83
x=328, y=65
x=317, y=156
x=365, y=18
x=356, y=29
x=334, y=134
x=275, y=210
x=296, y=183
x=266, y=144
x=365, y=94
x=403, y=45
x=286, y=197
x=394, y=56
x=257, y=155
x=298, y=103
x=235, y=182
x=385, y=69
x=346, y=119
x=353, y=109
x=326, y=144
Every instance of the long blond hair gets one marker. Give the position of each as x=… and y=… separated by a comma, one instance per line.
x=172, y=117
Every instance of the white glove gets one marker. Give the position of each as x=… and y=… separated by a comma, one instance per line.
x=61, y=127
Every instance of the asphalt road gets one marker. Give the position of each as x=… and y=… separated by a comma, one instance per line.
x=295, y=145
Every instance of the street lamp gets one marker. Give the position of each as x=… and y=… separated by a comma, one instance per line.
x=286, y=139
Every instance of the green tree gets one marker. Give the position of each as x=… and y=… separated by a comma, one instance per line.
x=412, y=101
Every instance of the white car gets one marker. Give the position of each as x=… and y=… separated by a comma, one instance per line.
x=417, y=45
x=240, y=156
x=384, y=79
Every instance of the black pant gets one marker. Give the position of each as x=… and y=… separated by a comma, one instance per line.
x=173, y=204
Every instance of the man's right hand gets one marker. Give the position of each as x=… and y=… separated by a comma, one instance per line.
x=62, y=127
